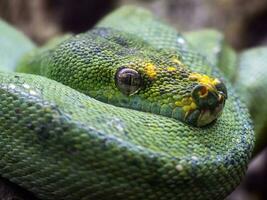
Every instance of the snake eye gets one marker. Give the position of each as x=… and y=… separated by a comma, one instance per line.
x=222, y=89
x=128, y=81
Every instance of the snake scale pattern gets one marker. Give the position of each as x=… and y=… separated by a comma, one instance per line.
x=128, y=110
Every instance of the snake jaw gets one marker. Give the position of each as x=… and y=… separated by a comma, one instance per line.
x=208, y=116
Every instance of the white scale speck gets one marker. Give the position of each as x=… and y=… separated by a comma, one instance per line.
x=12, y=86
x=118, y=124
x=194, y=158
x=216, y=50
x=32, y=92
x=238, y=140
x=179, y=168
x=119, y=140
x=181, y=40
x=26, y=86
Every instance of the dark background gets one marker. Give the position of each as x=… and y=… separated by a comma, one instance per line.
x=244, y=23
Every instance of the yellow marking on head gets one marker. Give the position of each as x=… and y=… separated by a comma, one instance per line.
x=187, y=101
x=150, y=70
x=171, y=69
x=186, y=108
x=193, y=106
x=179, y=104
x=190, y=107
x=187, y=104
x=175, y=60
x=216, y=81
x=204, y=79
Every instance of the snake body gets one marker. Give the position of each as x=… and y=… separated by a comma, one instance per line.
x=66, y=141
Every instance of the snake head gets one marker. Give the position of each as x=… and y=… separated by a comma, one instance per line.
x=175, y=92
x=125, y=71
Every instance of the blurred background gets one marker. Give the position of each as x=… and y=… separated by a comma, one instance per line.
x=244, y=23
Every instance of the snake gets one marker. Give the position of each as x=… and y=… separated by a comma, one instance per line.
x=131, y=109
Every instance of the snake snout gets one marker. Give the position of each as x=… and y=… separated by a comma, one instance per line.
x=206, y=98
x=210, y=102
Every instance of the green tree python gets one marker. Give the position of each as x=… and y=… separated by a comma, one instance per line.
x=131, y=109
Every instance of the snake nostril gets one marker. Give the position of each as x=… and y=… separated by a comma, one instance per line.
x=203, y=91
x=199, y=91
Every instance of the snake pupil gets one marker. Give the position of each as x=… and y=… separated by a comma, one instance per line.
x=128, y=81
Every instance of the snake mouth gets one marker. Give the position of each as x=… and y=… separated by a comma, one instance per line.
x=204, y=117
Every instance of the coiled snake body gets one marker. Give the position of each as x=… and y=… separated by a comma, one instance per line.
x=133, y=112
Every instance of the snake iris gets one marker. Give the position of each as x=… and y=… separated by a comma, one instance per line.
x=132, y=120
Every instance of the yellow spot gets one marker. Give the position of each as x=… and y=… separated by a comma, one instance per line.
x=205, y=80
x=186, y=108
x=193, y=106
x=150, y=70
x=179, y=103
x=216, y=81
x=175, y=60
x=187, y=104
x=171, y=69
x=187, y=101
